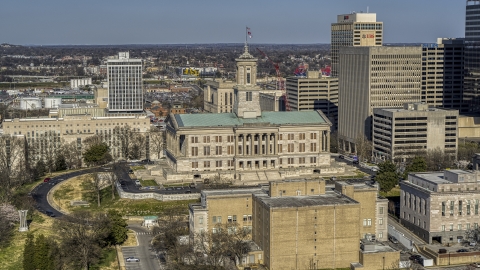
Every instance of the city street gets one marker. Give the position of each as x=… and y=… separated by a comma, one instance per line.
x=144, y=252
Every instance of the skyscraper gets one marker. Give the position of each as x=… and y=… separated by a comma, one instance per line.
x=471, y=94
x=125, y=91
x=355, y=29
x=374, y=77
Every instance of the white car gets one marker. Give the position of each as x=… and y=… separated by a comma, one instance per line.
x=132, y=259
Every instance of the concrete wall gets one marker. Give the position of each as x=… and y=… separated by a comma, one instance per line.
x=406, y=242
x=379, y=260
x=156, y=196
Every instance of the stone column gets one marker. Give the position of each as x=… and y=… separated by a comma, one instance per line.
x=267, y=148
x=23, y=220
x=251, y=144
x=244, y=149
x=328, y=142
x=275, y=144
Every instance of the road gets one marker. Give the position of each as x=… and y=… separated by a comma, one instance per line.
x=144, y=251
x=40, y=192
x=360, y=168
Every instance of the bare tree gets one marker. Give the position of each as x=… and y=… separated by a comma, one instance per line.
x=82, y=237
x=72, y=154
x=129, y=141
x=112, y=177
x=13, y=165
x=156, y=141
x=363, y=148
x=96, y=185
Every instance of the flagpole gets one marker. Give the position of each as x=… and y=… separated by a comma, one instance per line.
x=246, y=35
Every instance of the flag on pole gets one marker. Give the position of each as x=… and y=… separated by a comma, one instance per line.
x=249, y=33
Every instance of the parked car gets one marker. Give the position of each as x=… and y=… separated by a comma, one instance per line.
x=341, y=156
x=130, y=171
x=393, y=239
x=132, y=259
x=333, y=178
x=415, y=257
x=137, y=182
x=462, y=250
x=473, y=243
x=49, y=213
x=355, y=162
x=46, y=179
x=475, y=265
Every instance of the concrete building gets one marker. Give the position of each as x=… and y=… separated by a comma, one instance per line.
x=400, y=134
x=76, y=83
x=442, y=73
x=374, y=77
x=440, y=206
x=314, y=92
x=218, y=96
x=471, y=89
x=45, y=136
x=352, y=30
x=299, y=224
x=125, y=84
x=246, y=141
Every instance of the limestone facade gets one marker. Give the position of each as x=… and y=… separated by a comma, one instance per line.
x=440, y=206
x=45, y=135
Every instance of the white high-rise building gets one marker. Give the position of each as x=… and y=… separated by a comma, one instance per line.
x=125, y=91
x=354, y=30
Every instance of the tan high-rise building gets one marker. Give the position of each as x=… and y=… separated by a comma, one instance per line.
x=374, y=77
x=314, y=92
x=353, y=30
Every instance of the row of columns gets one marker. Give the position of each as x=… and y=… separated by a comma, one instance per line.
x=247, y=141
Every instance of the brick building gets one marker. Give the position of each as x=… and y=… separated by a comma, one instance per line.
x=299, y=224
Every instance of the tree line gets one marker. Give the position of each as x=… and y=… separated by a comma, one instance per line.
x=78, y=241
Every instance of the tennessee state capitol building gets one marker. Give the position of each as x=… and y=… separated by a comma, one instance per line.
x=247, y=141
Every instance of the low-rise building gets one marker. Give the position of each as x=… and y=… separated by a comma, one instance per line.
x=440, y=206
x=400, y=134
x=299, y=224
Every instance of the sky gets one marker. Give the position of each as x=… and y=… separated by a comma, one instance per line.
x=102, y=22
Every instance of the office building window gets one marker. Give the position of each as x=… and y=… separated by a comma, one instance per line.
x=380, y=221
x=380, y=210
x=443, y=208
x=195, y=164
x=194, y=151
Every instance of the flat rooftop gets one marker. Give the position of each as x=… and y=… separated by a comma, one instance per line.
x=267, y=118
x=233, y=191
x=434, y=177
x=330, y=198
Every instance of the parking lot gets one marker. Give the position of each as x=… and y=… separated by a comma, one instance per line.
x=132, y=252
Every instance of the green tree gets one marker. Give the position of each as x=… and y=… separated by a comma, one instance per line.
x=60, y=164
x=97, y=154
x=42, y=256
x=387, y=181
x=118, y=233
x=40, y=168
x=387, y=176
x=28, y=253
x=417, y=164
x=387, y=166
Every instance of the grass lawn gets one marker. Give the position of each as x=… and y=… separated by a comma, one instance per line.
x=11, y=256
x=74, y=189
x=148, y=183
x=131, y=239
x=395, y=192
x=176, y=185
x=136, y=168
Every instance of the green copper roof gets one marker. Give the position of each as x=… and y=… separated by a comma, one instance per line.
x=230, y=119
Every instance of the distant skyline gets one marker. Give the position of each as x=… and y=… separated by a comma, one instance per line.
x=105, y=22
